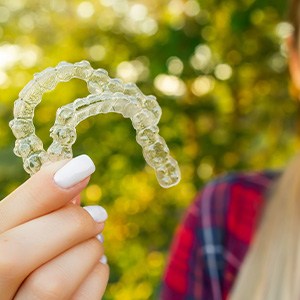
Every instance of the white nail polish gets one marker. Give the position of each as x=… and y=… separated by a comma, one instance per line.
x=98, y=213
x=103, y=259
x=74, y=171
x=100, y=238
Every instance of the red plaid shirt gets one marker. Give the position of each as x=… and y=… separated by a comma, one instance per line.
x=211, y=242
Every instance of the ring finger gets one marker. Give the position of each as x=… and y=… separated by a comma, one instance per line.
x=94, y=285
x=61, y=277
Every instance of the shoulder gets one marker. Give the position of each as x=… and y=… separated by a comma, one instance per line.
x=207, y=247
x=234, y=201
x=246, y=181
x=237, y=187
x=247, y=196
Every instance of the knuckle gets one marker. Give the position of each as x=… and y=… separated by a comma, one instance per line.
x=102, y=272
x=95, y=248
x=106, y=271
x=36, y=201
x=45, y=287
x=79, y=220
x=35, y=195
x=9, y=262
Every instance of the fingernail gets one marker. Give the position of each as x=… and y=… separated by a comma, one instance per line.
x=98, y=213
x=100, y=238
x=74, y=171
x=103, y=259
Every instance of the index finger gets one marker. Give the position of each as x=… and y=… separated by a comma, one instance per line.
x=49, y=189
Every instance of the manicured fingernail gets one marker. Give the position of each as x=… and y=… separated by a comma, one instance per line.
x=98, y=213
x=103, y=259
x=74, y=171
x=100, y=238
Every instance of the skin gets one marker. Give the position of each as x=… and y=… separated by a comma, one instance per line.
x=48, y=248
x=294, y=62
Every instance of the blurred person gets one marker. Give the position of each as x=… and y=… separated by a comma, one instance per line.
x=50, y=247
x=240, y=238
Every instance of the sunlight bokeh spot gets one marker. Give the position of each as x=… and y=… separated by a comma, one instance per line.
x=223, y=71
x=175, y=65
x=170, y=85
x=3, y=77
x=205, y=170
x=192, y=8
x=284, y=30
x=93, y=193
x=85, y=9
x=9, y=56
x=97, y=52
x=138, y=12
x=202, y=85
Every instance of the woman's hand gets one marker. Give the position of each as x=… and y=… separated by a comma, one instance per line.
x=48, y=244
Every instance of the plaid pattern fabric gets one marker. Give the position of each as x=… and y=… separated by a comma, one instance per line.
x=211, y=242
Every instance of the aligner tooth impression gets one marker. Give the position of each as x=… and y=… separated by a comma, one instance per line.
x=106, y=95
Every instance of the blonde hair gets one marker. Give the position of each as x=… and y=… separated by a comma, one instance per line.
x=271, y=270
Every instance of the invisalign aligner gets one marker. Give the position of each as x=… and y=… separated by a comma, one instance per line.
x=107, y=95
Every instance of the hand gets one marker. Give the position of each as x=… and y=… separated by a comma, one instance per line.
x=48, y=244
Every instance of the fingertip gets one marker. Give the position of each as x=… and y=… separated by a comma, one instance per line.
x=97, y=212
x=67, y=173
x=74, y=171
x=43, y=188
x=103, y=260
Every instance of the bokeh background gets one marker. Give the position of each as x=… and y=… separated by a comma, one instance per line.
x=219, y=71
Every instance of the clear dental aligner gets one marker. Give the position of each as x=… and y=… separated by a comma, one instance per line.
x=107, y=95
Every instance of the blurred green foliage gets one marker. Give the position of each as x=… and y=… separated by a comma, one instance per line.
x=219, y=71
